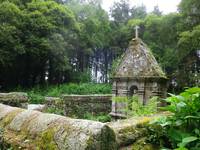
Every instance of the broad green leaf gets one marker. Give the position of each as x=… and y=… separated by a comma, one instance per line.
x=187, y=140
x=179, y=97
x=166, y=123
x=181, y=104
x=170, y=108
x=193, y=90
x=179, y=122
x=175, y=135
x=192, y=117
x=197, y=131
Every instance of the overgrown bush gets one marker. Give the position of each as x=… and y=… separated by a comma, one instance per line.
x=35, y=98
x=180, y=130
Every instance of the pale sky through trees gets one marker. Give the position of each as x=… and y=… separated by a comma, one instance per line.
x=166, y=6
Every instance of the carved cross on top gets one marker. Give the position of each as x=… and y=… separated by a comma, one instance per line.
x=136, y=31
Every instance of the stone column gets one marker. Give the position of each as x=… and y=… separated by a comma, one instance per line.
x=119, y=107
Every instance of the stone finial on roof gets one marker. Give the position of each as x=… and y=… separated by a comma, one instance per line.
x=136, y=31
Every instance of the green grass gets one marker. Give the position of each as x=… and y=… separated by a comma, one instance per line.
x=79, y=89
x=37, y=94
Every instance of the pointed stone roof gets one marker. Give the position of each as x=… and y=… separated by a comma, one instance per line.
x=138, y=62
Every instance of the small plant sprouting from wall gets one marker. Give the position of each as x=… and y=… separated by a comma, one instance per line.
x=134, y=106
x=55, y=110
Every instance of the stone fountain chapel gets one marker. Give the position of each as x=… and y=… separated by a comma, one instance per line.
x=137, y=73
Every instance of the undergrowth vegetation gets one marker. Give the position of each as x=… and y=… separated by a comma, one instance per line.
x=135, y=106
x=36, y=94
x=179, y=131
x=101, y=117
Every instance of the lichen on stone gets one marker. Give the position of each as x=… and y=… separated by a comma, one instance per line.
x=138, y=62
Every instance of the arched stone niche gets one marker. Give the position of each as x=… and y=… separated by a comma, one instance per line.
x=133, y=90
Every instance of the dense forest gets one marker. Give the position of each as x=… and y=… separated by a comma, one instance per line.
x=54, y=41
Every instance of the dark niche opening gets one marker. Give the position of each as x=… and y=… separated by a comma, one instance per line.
x=133, y=90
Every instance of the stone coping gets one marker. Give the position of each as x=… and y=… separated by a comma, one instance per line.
x=35, y=130
x=130, y=130
x=14, y=96
x=93, y=95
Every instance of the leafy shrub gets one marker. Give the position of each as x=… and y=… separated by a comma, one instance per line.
x=180, y=130
x=35, y=98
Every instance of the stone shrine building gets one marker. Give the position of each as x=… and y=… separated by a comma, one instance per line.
x=137, y=73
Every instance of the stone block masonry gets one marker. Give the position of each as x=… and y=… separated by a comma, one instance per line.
x=70, y=105
x=17, y=99
x=35, y=130
x=78, y=105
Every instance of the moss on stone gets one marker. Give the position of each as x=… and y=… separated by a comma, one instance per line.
x=51, y=132
x=9, y=117
x=104, y=139
x=130, y=134
x=142, y=145
x=144, y=122
x=43, y=141
x=46, y=140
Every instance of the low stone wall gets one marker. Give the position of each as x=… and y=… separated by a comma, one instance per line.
x=35, y=130
x=17, y=99
x=78, y=105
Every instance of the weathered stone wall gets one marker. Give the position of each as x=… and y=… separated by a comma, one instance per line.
x=146, y=89
x=78, y=105
x=35, y=130
x=70, y=105
x=17, y=99
x=130, y=132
